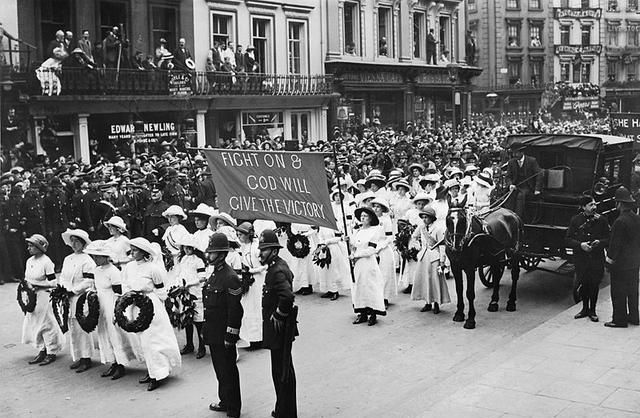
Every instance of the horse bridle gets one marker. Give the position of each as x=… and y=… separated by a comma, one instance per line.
x=449, y=235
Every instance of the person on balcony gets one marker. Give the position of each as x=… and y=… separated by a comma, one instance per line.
x=58, y=42
x=226, y=51
x=431, y=48
x=182, y=56
x=69, y=41
x=444, y=58
x=110, y=50
x=239, y=56
x=214, y=60
x=250, y=63
x=85, y=44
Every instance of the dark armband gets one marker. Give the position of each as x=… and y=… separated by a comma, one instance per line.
x=159, y=285
x=51, y=276
x=373, y=245
x=117, y=288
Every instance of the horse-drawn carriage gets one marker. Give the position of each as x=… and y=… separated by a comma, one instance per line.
x=572, y=165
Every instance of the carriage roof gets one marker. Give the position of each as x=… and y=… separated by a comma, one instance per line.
x=593, y=142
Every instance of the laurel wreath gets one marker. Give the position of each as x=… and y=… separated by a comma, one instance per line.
x=88, y=322
x=246, y=280
x=145, y=314
x=181, y=306
x=298, y=245
x=25, y=291
x=403, y=237
x=322, y=256
x=59, y=298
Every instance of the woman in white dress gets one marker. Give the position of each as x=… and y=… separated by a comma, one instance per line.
x=336, y=276
x=191, y=270
x=367, y=293
x=40, y=328
x=158, y=342
x=428, y=284
x=203, y=233
x=251, y=329
x=413, y=217
x=77, y=277
x=115, y=345
x=118, y=242
x=172, y=235
x=384, y=249
x=304, y=273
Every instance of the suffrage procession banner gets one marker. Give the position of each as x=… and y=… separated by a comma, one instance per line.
x=627, y=125
x=274, y=185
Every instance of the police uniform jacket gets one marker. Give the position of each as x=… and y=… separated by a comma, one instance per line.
x=55, y=211
x=583, y=229
x=277, y=300
x=174, y=194
x=153, y=219
x=12, y=213
x=221, y=295
x=32, y=213
x=624, y=244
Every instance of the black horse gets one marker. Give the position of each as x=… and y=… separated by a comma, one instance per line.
x=490, y=239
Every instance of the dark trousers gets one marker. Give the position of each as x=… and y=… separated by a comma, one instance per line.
x=431, y=56
x=590, y=276
x=624, y=296
x=224, y=365
x=57, y=249
x=285, y=391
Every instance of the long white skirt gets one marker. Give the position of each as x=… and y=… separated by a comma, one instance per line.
x=337, y=275
x=304, y=273
x=407, y=273
x=40, y=328
x=388, y=270
x=80, y=343
x=251, y=329
x=158, y=342
x=367, y=293
x=115, y=344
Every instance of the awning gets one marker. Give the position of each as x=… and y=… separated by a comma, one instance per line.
x=585, y=142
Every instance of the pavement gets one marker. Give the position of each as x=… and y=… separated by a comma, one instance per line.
x=537, y=361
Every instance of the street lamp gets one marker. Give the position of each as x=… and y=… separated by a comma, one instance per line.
x=138, y=136
x=189, y=133
x=453, y=69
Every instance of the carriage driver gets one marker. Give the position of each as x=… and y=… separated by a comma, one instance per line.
x=524, y=177
x=588, y=235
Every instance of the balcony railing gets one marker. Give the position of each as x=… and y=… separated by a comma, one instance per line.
x=83, y=81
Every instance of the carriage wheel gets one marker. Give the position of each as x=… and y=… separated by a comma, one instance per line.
x=530, y=263
x=486, y=275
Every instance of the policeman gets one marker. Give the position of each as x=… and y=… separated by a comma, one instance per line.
x=221, y=296
x=56, y=221
x=32, y=210
x=153, y=219
x=588, y=235
x=279, y=323
x=174, y=193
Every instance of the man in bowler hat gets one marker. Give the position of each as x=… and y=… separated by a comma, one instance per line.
x=624, y=262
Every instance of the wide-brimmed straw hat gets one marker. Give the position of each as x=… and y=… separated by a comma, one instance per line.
x=245, y=228
x=423, y=196
x=484, y=180
x=203, y=210
x=78, y=233
x=401, y=183
x=144, y=245
x=382, y=202
x=99, y=247
x=225, y=217
x=174, y=210
x=428, y=211
x=117, y=222
x=374, y=218
x=39, y=242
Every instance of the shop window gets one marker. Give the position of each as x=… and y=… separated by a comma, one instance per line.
x=612, y=35
x=534, y=5
x=632, y=35
x=222, y=28
x=262, y=125
x=513, y=4
x=297, y=47
x=445, y=36
x=418, y=35
x=385, y=32
x=565, y=71
x=163, y=25
x=513, y=32
x=262, y=40
x=300, y=126
x=472, y=5
x=612, y=70
x=612, y=6
x=515, y=72
x=351, y=21
x=113, y=13
x=565, y=31
x=586, y=34
x=535, y=36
